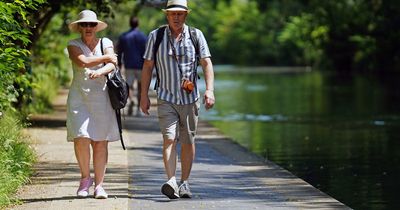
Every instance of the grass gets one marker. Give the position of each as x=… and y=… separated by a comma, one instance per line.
x=16, y=157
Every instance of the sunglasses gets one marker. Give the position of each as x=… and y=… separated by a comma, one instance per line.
x=87, y=24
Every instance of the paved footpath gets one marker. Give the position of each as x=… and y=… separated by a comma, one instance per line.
x=224, y=175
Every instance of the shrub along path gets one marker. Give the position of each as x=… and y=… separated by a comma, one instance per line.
x=224, y=175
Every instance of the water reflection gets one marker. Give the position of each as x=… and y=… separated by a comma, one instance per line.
x=338, y=133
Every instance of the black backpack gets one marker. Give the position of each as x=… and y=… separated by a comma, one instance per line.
x=159, y=39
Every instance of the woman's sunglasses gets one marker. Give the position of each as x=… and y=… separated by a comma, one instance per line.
x=89, y=24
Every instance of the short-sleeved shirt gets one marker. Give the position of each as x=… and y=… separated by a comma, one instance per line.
x=131, y=45
x=170, y=77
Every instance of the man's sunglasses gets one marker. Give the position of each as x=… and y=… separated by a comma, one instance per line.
x=87, y=24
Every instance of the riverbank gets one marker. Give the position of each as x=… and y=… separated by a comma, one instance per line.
x=224, y=176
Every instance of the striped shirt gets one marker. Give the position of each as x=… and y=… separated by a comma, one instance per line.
x=169, y=88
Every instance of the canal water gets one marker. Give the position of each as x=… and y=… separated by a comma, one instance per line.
x=340, y=133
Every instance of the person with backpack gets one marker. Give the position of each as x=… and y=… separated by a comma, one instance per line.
x=175, y=51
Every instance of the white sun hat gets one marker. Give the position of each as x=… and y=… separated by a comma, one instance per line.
x=87, y=16
x=176, y=5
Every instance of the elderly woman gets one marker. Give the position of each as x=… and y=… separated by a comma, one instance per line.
x=91, y=121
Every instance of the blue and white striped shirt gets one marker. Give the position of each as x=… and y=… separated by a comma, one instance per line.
x=169, y=88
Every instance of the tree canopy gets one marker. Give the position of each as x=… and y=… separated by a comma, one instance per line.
x=342, y=35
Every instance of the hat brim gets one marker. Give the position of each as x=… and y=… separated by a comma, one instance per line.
x=75, y=28
x=176, y=9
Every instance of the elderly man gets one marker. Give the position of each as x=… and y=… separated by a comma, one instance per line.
x=175, y=51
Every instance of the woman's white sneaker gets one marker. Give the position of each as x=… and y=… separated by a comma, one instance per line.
x=100, y=193
x=84, y=185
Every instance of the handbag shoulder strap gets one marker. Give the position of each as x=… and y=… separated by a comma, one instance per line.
x=102, y=48
x=102, y=53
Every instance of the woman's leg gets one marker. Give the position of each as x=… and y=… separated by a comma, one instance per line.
x=100, y=158
x=82, y=154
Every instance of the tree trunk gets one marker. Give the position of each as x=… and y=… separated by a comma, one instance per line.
x=42, y=18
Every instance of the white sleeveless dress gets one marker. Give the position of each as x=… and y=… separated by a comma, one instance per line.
x=89, y=111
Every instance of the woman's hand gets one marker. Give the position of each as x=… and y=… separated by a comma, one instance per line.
x=91, y=74
x=113, y=59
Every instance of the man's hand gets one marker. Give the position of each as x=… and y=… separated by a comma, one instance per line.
x=145, y=104
x=209, y=99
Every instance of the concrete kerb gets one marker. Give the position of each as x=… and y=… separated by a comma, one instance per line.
x=281, y=182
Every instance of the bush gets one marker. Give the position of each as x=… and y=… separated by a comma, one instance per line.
x=16, y=157
x=14, y=37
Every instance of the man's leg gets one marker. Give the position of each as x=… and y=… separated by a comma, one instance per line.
x=187, y=157
x=129, y=75
x=169, y=157
x=187, y=132
x=168, y=120
x=138, y=75
x=170, y=188
x=139, y=91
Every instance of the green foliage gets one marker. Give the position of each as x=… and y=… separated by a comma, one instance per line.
x=356, y=34
x=348, y=34
x=16, y=157
x=342, y=35
x=366, y=47
x=22, y=24
x=361, y=33
x=238, y=32
x=50, y=65
x=13, y=55
x=50, y=51
x=302, y=40
x=149, y=19
x=45, y=88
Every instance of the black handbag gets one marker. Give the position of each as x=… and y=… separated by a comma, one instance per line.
x=118, y=91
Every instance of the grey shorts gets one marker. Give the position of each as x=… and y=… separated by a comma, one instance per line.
x=178, y=122
x=131, y=75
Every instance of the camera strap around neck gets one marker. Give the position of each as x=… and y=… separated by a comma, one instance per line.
x=175, y=56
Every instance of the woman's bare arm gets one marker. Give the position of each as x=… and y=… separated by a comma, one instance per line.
x=109, y=67
x=77, y=56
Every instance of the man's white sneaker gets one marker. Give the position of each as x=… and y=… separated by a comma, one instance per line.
x=184, y=190
x=170, y=189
